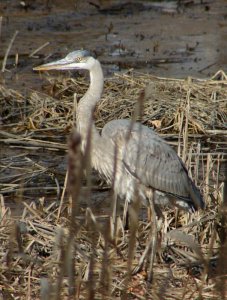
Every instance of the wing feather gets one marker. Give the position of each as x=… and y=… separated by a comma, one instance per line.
x=149, y=158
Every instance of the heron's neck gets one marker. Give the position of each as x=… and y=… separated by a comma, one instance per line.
x=88, y=102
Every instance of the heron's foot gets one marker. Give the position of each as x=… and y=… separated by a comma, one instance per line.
x=140, y=265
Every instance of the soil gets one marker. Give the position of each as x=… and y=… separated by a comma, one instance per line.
x=170, y=39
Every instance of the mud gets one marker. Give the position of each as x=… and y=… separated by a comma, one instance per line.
x=172, y=39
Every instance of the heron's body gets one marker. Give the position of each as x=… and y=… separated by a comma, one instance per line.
x=132, y=156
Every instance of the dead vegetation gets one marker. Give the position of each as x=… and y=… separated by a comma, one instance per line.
x=63, y=249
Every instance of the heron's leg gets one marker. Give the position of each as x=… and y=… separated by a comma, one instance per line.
x=114, y=215
x=139, y=267
x=154, y=234
x=150, y=250
x=149, y=213
x=126, y=216
x=151, y=247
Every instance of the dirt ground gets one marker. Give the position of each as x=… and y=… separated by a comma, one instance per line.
x=168, y=39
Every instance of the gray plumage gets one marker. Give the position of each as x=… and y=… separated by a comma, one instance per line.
x=131, y=154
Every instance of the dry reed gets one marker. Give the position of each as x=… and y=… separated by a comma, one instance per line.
x=52, y=252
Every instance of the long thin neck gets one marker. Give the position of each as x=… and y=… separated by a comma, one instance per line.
x=102, y=153
x=87, y=104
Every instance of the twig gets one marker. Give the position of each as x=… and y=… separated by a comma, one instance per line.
x=8, y=50
x=1, y=18
x=38, y=49
x=62, y=197
x=27, y=141
x=207, y=67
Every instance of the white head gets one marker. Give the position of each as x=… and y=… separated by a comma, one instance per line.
x=80, y=59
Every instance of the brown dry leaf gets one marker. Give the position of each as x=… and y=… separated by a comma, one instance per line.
x=156, y=123
x=31, y=124
x=137, y=284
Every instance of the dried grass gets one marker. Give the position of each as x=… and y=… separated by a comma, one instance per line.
x=166, y=99
x=69, y=251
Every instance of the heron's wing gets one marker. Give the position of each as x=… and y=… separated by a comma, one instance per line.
x=150, y=159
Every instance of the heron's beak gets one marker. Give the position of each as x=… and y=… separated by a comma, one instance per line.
x=62, y=64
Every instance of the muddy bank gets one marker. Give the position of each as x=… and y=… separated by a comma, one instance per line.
x=164, y=39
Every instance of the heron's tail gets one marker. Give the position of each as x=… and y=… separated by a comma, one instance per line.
x=196, y=196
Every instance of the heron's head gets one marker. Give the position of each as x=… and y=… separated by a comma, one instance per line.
x=80, y=59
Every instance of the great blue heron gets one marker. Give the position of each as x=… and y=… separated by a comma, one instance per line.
x=143, y=161
x=130, y=156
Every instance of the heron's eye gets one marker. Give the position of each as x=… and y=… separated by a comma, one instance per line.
x=79, y=59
